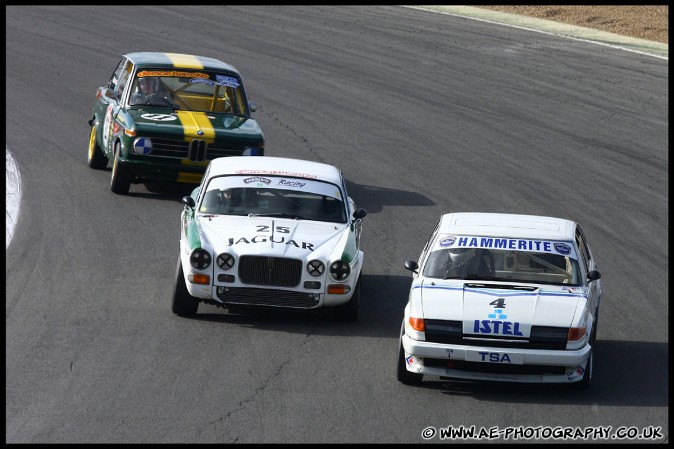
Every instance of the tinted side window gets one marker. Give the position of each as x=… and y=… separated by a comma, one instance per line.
x=580, y=243
x=424, y=252
x=117, y=74
x=124, y=78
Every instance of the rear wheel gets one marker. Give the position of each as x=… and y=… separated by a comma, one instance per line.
x=121, y=176
x=405, y=376
x=184, y=304
x=350, y=310
x=96, y=158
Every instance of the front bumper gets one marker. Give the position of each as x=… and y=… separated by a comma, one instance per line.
x=165, y=169
x=508, y=365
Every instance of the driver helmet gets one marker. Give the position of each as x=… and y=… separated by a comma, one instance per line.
x=147, y=84
x=461, y=255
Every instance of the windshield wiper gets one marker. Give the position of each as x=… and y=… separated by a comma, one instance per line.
x=278, y=214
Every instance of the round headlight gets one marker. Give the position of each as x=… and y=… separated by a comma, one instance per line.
x=225, y=261
x=142, y=145
x=340, y=270
x=315, y=268
x=252, y=151
x=200, y=259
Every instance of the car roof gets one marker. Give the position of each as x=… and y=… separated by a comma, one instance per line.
x=507, y=225
x=271, y=165
x=177, y=61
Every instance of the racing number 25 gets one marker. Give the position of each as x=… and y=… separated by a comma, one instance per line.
x=279, y=229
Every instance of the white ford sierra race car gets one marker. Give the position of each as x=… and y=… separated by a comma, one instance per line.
x=270, y=232
x=502, y=297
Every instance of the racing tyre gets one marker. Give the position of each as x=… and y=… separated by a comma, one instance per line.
x=405, y=376
x=96, y=158
x=121, y=176
x=184, y=304
x=350, y=310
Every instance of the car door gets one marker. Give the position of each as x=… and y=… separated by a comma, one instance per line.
x=109, y=101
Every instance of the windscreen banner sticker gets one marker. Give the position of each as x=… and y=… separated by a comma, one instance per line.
x=272, y=182
x=276, y=173
x=538, y=246
x=172, y=73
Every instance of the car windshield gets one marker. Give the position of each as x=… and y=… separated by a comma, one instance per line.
x=510, y=260
x=198, y=90
x=271, y=196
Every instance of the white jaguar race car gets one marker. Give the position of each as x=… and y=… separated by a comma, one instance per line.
x=502, y=297
x=270, y=232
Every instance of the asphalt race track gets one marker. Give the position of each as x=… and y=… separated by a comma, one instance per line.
x=425, y=114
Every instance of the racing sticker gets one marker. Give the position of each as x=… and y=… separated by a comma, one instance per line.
x=258, y=180
x=447, y=241
x=228, y=81
x=575, y=373
x=159, y=117
x=107, y=131
x=495, y=325
x=202, y=81
x=539, y=246
x=563, y=248
x=291, y=183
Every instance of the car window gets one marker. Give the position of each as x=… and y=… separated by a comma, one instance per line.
x=124, y=78
x=580, y=242
x=274, y=196
x=197, y=90
x=554, y=263
x=117, y=75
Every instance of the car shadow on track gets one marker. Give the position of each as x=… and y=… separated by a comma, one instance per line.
x=626, y=373
x=373, y=198
x=382, y=300
x=165, y=191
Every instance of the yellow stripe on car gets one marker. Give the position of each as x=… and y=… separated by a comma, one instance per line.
x=193, y=122
x=185, y=61
x=196, y=121
x=192, y=178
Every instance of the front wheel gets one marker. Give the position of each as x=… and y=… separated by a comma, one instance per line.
x=350, y=310
x=405, y=376
x=184, y=304
x=121, y=176
x=96, y=158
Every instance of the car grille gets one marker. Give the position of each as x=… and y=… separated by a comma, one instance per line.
x=196, y=150
x=500, y=368
x=264, y=297
x=271, y=271
x=451, y=332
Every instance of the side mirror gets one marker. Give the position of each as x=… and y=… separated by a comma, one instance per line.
x=411, y=266
x=593, y=276
x=359, y=213
x=188, y=201
x=110, y=94
x=253, y=106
